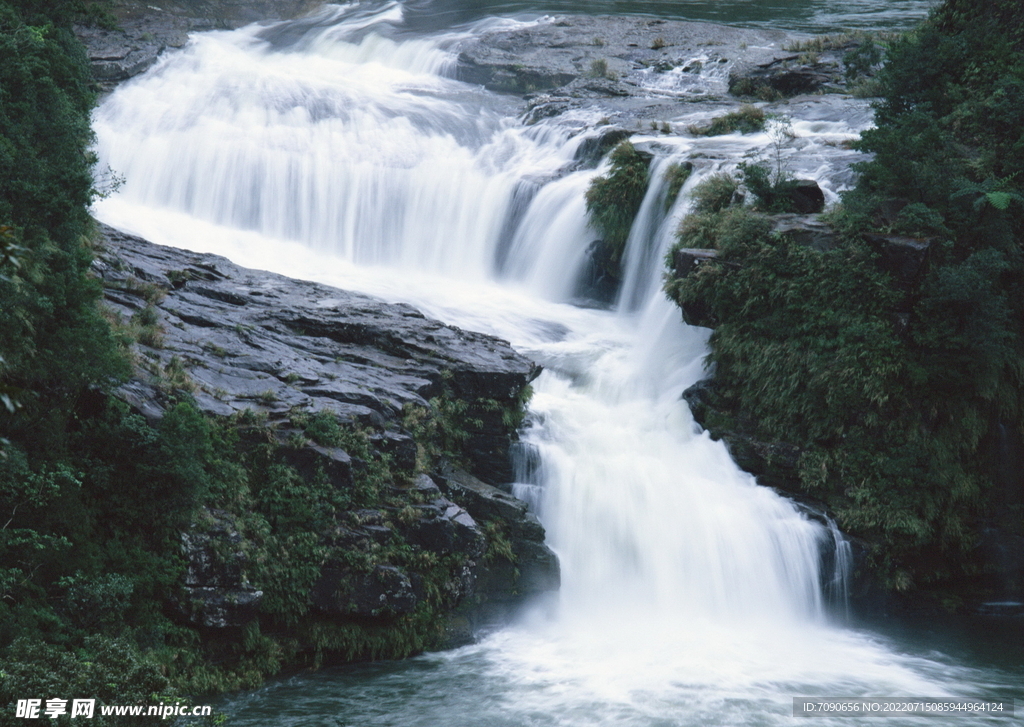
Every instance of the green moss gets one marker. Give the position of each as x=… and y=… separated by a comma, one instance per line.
x=747, y=120
x=714, y=193
x=894, y=391
x=676, y=174
x=614, y=199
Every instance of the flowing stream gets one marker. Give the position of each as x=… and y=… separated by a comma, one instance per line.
x=343, y=152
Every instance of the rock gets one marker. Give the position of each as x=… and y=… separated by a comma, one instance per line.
x=445, y=527
x=806, y=230
x=248, y=340
x=684, y=262
x=702, y=399
x=785, y=76
x=597, y=57
x=385, y=591
x=216, y=593
x=533, y=569
x=775, y=464
x=906, y=258
x=311, y=459
x=238, y=340
x=807, y=197
x=145, y=31
x=483, y=501
x=596, y=145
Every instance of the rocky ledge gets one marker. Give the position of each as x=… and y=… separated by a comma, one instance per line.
x=145, y=30
x=439, y=403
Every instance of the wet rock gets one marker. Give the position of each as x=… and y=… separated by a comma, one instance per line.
x=532, y=568
x=906, y=258
x=806, y=230
x=444, y=527
x=248, y=340
x=216, y=593
x=596, y=145
x=785, y=76
x=686, y=261
x=597, y=57
x=385, y=591
x=144, y=31
x=807, y=197
x=775, y=464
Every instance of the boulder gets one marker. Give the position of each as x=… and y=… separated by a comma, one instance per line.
x=785, y=76
x=806, y=230
x=242, y=340
x=807, y=197
x=684, y=262
x=216, y=593
x=384, y=591
x=906, y=258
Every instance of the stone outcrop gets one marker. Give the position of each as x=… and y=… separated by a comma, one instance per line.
x=806, y=230
x=262, y=348
x=257, y=341
x=603, y=56
x=906, y=258
x=686, y=261
x=145, y=30
x=216, y=593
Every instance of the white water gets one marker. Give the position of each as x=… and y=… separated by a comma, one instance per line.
x=350, y=159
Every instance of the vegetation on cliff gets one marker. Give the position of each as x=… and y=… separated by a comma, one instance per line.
x=142, y=559
x=613, y=200
x=892, y=364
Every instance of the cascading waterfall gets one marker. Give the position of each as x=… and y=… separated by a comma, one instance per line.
x=331, y=150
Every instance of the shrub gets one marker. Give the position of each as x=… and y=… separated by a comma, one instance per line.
x=614, y=199
x=747, y=120
x=715, y=193
x=894, y=392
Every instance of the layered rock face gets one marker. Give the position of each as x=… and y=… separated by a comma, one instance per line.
x=274, y=352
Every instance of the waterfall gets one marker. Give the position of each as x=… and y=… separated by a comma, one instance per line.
x=338, y=150
x=358, y=147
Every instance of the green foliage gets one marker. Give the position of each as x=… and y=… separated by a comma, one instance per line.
x=112, y=671
x=892, y=390
x=772, y=190
x=52, y=338
x=599, y=69
x=614, y=199
x=714, y=193
x=747, y=120
x=862, y=60
x=676, y=174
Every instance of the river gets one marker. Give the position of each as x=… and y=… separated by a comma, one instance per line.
x=346, y=154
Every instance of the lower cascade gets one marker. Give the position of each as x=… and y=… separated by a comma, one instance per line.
x=343, y=151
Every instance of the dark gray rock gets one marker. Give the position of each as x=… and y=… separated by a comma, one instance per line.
x=483, y=501
x=249, y=340
x=784, y=76
x=593, y=149
x=444, y=527
x=533, y=567
x=216, y=593
x=310, y=459
x=906, y=258
x=806, y=230
x=385, y=591
x=686, y=261
x=807, y=197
